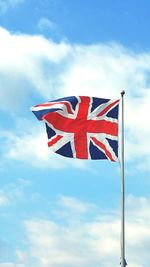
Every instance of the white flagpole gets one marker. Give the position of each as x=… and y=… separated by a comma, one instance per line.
x=123, y=261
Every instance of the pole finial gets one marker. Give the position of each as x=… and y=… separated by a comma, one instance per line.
x=122, y=93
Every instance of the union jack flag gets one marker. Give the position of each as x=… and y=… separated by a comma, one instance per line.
x=81, y=127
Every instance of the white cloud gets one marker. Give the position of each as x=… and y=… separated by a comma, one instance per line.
x=92, y=242
x=35, y=65
x=73, y=244
x=65, y=246
x=27, y=64
x=87, y=242
x=84, y=241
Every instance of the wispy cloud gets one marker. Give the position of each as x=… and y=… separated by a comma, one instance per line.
x=6, y=4
x=74, y=205
x=9, y=264
x=3, y=199
x=11, y=192
x=46, y=24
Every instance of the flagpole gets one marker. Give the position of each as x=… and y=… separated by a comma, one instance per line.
x=123, y=261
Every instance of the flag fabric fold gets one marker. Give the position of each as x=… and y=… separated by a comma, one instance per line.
x=81, y=127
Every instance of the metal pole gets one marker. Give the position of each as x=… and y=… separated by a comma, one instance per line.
x=123, y=262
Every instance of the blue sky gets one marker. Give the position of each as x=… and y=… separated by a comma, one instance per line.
x=91, y=22
x=57, y=211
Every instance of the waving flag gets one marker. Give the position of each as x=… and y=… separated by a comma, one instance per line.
x=81, y=127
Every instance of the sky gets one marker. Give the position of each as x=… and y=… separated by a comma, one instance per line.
x=55, y=211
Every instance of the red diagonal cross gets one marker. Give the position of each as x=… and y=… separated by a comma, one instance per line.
x=80, y=126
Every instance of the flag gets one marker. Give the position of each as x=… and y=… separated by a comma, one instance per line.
x=81, y=127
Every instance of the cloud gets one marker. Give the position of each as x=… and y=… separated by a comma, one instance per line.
x=85, y=241
x=27, y=65
x=139, y=208
x=9, y=264
x=11, y=192
x=45, y=23
x=71, y=209
x=30, y=146
x=74, y=205
x=33, y=67
x=75, y=242
x=68, y=246
x=3, y=199
x=6, y=4
x=92, y=242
